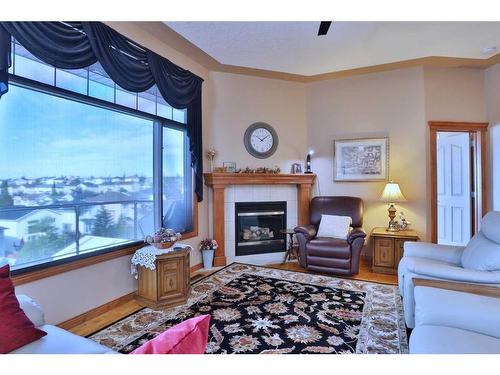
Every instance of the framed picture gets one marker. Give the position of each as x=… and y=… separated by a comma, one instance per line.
x=296, y=168
x=229, y=166
x=365, y=159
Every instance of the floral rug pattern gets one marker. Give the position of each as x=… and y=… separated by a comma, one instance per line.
x=263, y=310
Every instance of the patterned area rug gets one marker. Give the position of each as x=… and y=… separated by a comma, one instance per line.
x=263, y=310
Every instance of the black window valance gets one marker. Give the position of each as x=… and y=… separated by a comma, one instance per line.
x=76, y=45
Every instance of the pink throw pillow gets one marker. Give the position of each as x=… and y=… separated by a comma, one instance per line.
x=188, y=337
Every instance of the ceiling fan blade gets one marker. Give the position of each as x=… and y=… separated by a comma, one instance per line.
x=323, y=27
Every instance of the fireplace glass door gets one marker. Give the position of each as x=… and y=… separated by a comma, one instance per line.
x=258, y=227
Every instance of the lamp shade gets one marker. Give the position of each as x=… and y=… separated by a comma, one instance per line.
x=392, y=193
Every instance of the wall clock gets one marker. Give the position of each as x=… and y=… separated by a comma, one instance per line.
x=260, y=140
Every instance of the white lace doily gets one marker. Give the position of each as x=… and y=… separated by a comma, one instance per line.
x=146, y=256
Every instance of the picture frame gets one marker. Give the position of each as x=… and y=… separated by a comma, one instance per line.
x=229, y=166
x=296, y=168
x=362, y=159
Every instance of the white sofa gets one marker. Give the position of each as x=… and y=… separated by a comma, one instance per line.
x=455, y=322
x=478, y=262
x=57, y=340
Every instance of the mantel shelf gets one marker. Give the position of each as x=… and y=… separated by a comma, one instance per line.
x=225, y=179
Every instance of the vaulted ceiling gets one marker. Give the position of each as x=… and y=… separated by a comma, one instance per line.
x=294, y=47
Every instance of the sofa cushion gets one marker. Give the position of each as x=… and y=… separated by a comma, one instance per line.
x=16, y=330
x=329, y=248
x=430, y=339
x=60, y=341
x=481, y=254
x=188, y=337
x=334, y=226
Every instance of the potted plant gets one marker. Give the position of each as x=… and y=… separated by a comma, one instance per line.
x=207, y=248
x=163, y=238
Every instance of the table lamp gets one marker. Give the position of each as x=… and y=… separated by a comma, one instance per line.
x=392, y=194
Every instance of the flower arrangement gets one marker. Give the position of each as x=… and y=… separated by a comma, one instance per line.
x=163, y=238
x=208, y=244
x=211, y=153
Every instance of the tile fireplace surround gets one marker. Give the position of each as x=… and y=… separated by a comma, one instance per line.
x=229, y=188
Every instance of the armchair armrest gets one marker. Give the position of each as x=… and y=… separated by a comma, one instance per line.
x=309, y=231
x=356, y=233
x=451, y=308
x=444, y=253
x=32, y=310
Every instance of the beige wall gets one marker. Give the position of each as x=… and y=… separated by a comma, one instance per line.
x=389, y=104
x=492, y=83
x=238, y=101
x=456, y=94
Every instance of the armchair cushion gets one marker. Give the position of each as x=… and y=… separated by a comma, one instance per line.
x=481, y=254
x=309, y=231
x=328, y=247
x=334, y=226
x=443, y=253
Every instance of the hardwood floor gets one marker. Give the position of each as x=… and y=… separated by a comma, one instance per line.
x=365, y=272
x=93, y=325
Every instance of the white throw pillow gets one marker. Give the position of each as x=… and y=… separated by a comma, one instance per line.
x=334, y=226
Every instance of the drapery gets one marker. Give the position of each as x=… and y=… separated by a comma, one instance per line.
x=76, y=45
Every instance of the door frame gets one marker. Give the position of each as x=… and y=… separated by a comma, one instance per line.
x=479, y=129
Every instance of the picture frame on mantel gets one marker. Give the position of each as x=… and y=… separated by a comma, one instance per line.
x=362, y=159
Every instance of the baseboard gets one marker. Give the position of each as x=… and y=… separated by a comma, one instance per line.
x=95, y=312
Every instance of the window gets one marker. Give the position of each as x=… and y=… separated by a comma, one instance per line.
x=78, y=172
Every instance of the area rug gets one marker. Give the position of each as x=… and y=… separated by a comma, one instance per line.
x=264, y=310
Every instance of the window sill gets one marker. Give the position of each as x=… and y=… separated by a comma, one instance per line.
x=52, y=270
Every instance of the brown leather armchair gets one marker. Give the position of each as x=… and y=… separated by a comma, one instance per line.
x=332, y=255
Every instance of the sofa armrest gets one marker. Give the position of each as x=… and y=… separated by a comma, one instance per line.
x=444, y=253
x=309, y=231
x=451, y=308
x=356, y=233
x=438, y=270
x=32, y=310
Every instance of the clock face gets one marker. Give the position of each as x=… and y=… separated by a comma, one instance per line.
x=261, y=140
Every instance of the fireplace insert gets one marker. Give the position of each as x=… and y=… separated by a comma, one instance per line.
x=258, y=227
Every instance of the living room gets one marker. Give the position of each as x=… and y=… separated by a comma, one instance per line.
x=298, y=168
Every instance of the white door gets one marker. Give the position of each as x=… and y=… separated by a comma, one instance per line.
x=453, y=188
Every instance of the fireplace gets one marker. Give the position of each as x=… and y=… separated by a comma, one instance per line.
x=258, y=227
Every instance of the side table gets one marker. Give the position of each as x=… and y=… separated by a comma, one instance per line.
x=292, y=251
x=169, y=283
x=388, y=248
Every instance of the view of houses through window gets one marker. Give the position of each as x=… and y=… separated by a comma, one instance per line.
x=78, y=178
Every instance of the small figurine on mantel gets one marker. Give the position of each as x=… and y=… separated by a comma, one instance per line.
x=403, y=223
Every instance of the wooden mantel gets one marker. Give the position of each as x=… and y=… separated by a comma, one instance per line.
x=219, y=181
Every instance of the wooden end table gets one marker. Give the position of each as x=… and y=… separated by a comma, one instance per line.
x=169, y=284
x=388, y=248
x=292, y=250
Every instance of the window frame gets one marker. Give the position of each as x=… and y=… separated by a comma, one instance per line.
x=39, y=271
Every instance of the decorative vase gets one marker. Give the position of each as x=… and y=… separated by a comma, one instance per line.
x=163, y=245
x=208, y=258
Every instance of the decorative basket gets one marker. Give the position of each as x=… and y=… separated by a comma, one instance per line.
x=163, y=245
